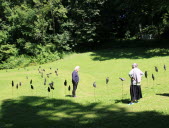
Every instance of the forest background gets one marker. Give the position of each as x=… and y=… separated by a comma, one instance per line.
x=40, y=31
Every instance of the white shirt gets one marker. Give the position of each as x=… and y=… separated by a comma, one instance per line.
x=135, y=75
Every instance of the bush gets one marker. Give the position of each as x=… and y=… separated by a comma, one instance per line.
x=6, y=51
x=24, y=61
x=14, y=62
x=45, y=57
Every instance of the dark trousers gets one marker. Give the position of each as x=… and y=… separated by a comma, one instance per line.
x=74, y=88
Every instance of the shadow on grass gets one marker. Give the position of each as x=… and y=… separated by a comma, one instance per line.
x=164, y=94
x=68, y=95
x=39, y=112
x=124, y=101
x=132, y=53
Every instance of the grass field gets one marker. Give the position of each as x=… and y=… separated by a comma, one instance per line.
x=105, y=106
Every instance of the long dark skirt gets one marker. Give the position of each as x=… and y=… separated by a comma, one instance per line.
x=135, y=92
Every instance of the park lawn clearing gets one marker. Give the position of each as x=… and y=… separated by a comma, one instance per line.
x=106, y=106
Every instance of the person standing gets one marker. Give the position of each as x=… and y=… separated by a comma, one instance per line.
x=75, y=80
x=135, y=88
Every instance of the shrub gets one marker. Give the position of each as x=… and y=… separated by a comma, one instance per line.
x=23, y=61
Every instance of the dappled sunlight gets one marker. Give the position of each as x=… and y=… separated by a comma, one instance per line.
x=42, y=112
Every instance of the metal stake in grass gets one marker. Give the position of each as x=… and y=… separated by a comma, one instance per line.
x=32, y=88
x=122, y=79
x=17, y=88
x=56, y=73
x=146, y=76
x=69, y=88
x=65, y=83
x=12, y=86
x=94, y=85
x=165, y=68
x=156, y=69
x=51, y=87
x=31, y=81
x=12, y=83
x=39, y=70
x=48, y=91
x=107, y=82
x=42, y=74
x=45, y=81
x=47, y=75
x=153, y=78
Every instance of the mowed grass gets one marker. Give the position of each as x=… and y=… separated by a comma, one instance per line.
x=105, y=106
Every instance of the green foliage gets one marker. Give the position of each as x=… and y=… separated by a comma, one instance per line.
x=24, y=61
x=66, y=25
x=14, y=62
x=45, y=57
x=7, y=50
x=3, y=36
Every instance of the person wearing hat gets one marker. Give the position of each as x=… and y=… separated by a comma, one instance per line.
x=135, y=88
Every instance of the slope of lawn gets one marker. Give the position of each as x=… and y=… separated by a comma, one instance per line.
x=102, y=107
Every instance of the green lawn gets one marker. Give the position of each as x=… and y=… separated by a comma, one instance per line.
x=27, y=108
